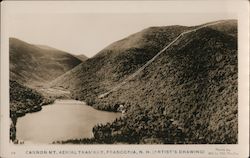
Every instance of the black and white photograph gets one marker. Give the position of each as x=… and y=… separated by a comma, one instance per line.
x=163, y=84
x=123, y=78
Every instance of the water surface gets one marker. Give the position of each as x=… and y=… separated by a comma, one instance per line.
x=62, y=120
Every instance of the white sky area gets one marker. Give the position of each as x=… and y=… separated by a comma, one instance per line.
x=88, y=33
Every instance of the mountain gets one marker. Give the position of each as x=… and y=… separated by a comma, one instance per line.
x=115, y=62
x=188, y=94
x=194, y=83
x=228, y=27
x=32, y=66
x=82, y=57
x=37, y=64
x=45, y=47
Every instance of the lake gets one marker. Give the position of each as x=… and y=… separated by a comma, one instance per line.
x=62, y=120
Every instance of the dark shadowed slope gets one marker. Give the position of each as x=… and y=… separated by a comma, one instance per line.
x=37, y=64
x=194, y=83
x=116, y=62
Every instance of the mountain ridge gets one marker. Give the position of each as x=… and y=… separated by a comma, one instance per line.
x=35, y=64
x=81, y=57
x=164, y=49
x=196, y=94
x=118, y=60
x=188, y=87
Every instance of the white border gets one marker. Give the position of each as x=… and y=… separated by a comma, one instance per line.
x=241, y=8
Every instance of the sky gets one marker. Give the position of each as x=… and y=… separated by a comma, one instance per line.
x=88, y=33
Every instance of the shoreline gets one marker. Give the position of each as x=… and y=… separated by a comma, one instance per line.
x=14, y=115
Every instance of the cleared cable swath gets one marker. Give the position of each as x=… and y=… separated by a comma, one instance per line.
x=152, y=59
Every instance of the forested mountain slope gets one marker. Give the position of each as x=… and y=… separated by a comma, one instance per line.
x=36, y=64
x=193, y=83
x=115, y=62
x=188, y=94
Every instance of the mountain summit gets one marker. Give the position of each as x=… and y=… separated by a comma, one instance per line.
x=188, y=94
x=117, y=61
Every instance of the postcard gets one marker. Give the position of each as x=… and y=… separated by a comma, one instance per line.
x=125, y=79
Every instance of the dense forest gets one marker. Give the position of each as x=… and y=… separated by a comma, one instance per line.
x=187, y=95
x=24, y=100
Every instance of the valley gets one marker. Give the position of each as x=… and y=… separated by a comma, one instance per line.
x=31, y=68
x=176, y=84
